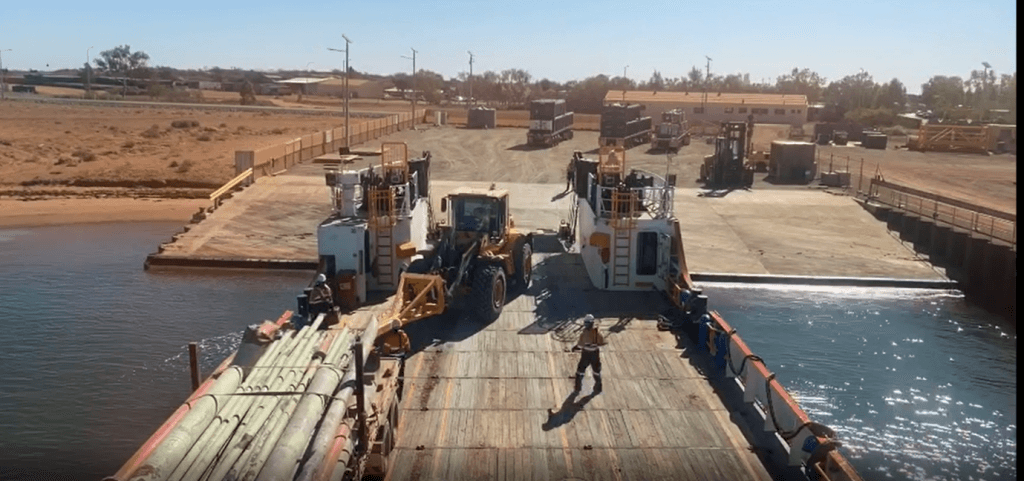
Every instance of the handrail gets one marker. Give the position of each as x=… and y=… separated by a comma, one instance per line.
x=215, y=196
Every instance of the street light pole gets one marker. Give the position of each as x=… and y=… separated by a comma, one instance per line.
x=3, y=86
x=413, y=86
x=347, y=130
x=88, y=73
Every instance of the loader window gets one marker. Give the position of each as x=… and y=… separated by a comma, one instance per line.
x=646, y=253
x=478, y=214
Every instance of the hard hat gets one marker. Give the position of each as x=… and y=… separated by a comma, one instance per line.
x=395, y=324
x=320, y=279
x=588, y=320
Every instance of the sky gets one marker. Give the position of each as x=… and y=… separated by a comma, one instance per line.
x=559, y=40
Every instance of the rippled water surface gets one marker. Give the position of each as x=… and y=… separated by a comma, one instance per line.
x=918, y=384
x=93, y=350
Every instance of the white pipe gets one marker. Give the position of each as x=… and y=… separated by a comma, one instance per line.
x=275, y=380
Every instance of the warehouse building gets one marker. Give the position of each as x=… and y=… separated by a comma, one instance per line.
x=718, y=107
x=335, y=87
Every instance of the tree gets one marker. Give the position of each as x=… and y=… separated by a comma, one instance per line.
x=892, y=95
x=656, y=82
x=801, y=82
x=587, y=96
x=515, y=86
x=942, y=93
x=695, y=78
x=121, y=60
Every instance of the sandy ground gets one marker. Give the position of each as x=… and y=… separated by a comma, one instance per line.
x=44, y=149
x=19, y=213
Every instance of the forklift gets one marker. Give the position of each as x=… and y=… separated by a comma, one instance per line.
x=727, y=167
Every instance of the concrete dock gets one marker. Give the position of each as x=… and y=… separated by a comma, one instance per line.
x=798, y=232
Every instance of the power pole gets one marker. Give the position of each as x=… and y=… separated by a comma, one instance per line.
x=707, y=80
x=3, y=87
x=413, y=86
x=88, y=73
x=471, y=100
x=626, y=84
x=347, y=129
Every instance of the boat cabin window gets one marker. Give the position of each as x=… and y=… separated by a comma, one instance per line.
x=647, y=254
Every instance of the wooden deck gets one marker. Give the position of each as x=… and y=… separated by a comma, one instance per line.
x=494, y=402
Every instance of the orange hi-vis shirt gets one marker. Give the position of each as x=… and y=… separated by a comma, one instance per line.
x=590, y=339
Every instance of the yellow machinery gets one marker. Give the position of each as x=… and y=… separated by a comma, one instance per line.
x=478, y=254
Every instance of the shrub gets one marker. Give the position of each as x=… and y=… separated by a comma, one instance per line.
x=185, y=124
x=203, y=138
x=85, y=155
x=184, y=167
x=152, y=132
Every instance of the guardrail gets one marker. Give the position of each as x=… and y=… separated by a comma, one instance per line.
x=253, y=164
x=224, y=189
x=978, y=219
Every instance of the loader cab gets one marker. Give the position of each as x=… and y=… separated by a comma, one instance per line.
x=473, y=213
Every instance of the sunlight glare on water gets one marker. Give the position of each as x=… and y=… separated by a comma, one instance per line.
x=918, y=384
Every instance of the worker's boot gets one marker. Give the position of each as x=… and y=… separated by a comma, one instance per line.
x=597, y=383
x=579, y=383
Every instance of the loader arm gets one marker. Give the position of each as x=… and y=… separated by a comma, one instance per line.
x=419, y=296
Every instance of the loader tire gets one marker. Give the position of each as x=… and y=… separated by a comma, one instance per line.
x=523, y=259
x=489, y=287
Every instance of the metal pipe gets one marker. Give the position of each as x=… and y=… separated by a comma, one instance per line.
x=326, y=445
x=220, y=435
x=147, y=448
x=262, y=373
x=283, y=460
x=180, y=439
x=229, y=458
x=199, y=443
x=248, y=459
x=360, y=397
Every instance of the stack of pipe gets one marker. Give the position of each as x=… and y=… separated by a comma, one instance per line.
x=263, y=422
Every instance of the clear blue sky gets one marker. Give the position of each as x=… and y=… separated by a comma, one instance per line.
x=556, y=39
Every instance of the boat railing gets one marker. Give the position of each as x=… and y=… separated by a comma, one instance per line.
x=806, y=442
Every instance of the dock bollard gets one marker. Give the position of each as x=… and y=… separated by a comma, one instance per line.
x=193, y=363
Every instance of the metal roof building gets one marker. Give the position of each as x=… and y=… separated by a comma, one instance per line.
x=717, y=107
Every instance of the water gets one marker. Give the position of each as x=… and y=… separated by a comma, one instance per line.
x=94, y=354
x=918, y=384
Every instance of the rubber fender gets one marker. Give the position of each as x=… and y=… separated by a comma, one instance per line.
x=721, y=349
x=702, y=334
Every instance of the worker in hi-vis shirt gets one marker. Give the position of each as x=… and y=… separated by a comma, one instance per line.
x=589, y=343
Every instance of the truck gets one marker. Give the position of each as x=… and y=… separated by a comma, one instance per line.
x=623, y=126
x=549, y=122
x=673, y=132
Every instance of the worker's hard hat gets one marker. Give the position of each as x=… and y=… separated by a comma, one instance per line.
x=588, y=320
x=320, y=279
x=395, y=324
